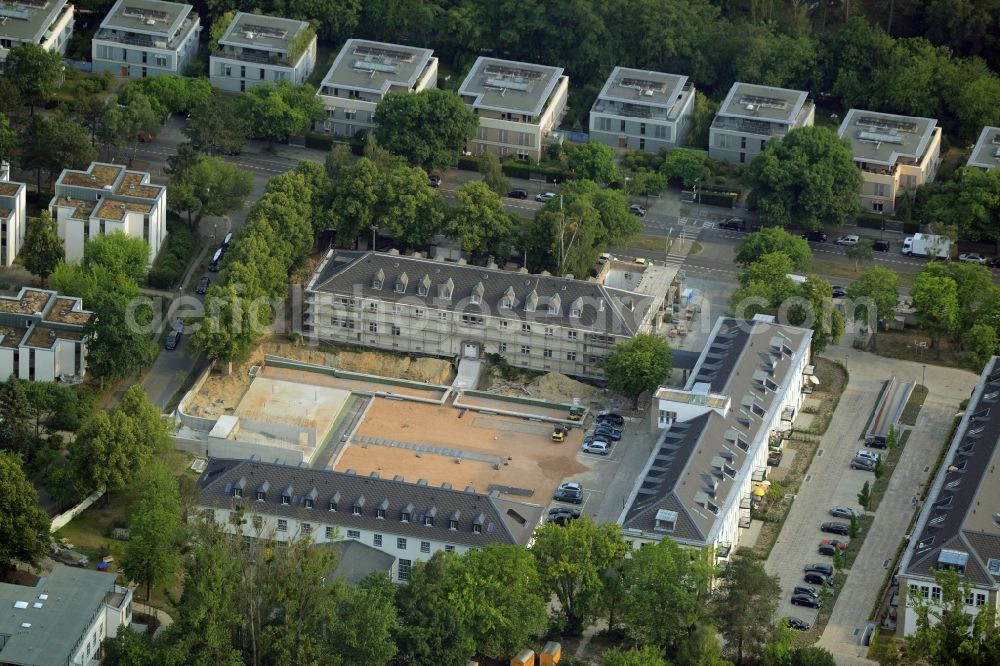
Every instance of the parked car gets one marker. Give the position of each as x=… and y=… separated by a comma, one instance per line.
x=562, y=515
x=838, y=292
x=637, y=210
x=844, y=512
x=570, y=485
x=617, y=420
x=774, y=458
x=805, y=589
x=864, y=464
x=568, y=496
x=605, y=258
x=815, y=236
x=607, y=431
x=821, y=567
x=806, y=600
x=972, y=258
x=202, y=285
x=833, y=544
x=864, y=453
x=641, y=261
x=434, y=180
x=876, y=443
x=734, y=224
x=881, y=246
x=597, y=447
x=797, y=623
x=518, y=194
x=994, y=262
x=545, y=196
x=835, y=527
x=849, y=239
x=818, y=578
x=173, y=340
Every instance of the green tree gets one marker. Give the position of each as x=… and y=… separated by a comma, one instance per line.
x=408, y=208
x=593, y=161
x=366, y=620
x=480, y=221
x=865, y=497
x=276, y=112
x=431, y=629
x=936, y=301
x=55, y=143
x=42, y=249
x=862, y=251
x=119, y=254
x=429, y=127
x=667, y=594
x=815, y=310
x=107, y=452
x=642, y=656
x=215, y=127
x=131, y=648
x=974, y=289
x=137, y=122
x=24, y=527
x=809, y=177
x=745, y=605
x=980, y=344
x=231, y=326
x=638, y=365
x=876, y=294
x=355, y=194
x=892, y=437
x=35, y=72
x=774, y=239
x=570, y=561
x=879, y=469
x=119, y=344
x=811, y=655
x=854, y=528
x=154, y=528
x=211, y=186
x=8, y=140
x=944, y=628
x=684, y=166
x=498, y=591
x=15, y=415
x=764, y=286
x=54, y=406
x=647, y=183
x=151, y=427
x=489, y=167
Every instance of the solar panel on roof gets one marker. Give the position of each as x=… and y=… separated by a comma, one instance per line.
x=386, y=54
x=764, y=102
x=887, y=123
x=506, y=72
x=265, y=31
x=643, y=84
x=142, y=13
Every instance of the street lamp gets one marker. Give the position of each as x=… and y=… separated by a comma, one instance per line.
x=923, y=376
x=374, y=229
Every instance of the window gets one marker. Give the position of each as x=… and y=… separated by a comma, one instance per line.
x=286, y=500
x=282, y=525
x=377, y=540
x=404, y=570
x=395, y=330
x=373, y=306
x=308, y=503
x=452, y=524
x=642, y=128
x=525, y=349
x=161, y=61
x=355, y=510
x=380, y=514
x=261, y=496
x=353, y=534
x=237, y=492
x=372, y=327
x=332, y=506
x=477, y=528
x=642, y=144
x=350, y=114
x=425, y=546
x=418, y=313
x=570, y=356
x=547, y=353
x=443, y=315
x=449, y=548
x=404, y=517
x=502, y=347
x=503, y=324
x=258, y=522
x=526, y=328
x=571, y=335
x=401, y=543
x=307, y=528
x=329, y=532
x=549, y=331
x=936, y=593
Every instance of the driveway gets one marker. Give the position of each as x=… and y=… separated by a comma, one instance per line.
x=830, y=481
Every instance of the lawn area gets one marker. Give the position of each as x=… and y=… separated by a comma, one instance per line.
x=653, y=243
x=836, y=269
x=906, y=345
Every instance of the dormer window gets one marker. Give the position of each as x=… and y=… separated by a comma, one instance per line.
x=238, y=492
x=477, y=529
x=446, y=290
x=332, y=506
x=308, y=503
x=239, y=486
x=379, y=279
x=424, y=286
x=401, y=284
x=261, y=496
x=358, y=505
x=532, y=302
x=666, y=521
x=555, y=305
x=508, y=299
x=404, y=517
x=380, y=514
x=576, y=309
x=477, y=294
x=381, y=509
x=286, y=500
x=452, y=524
x=428, y=521
x=477, y=524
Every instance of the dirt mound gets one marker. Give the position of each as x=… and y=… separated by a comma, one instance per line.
x=431, y=370
x=557, y=387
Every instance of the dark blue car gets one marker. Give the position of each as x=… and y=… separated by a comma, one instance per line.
x=606, y=431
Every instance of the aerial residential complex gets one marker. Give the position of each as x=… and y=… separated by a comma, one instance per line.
x=641, y=110
x=104, y=199
x=745, y=388
x=63, y=619
x=409, y=521
x=48, y=23
x=43, y=336
x=896, y=154
x=12, y=216
x=519, y=106
x=365, y=72
x=986, y=154
x=263, y=49
x=541, y=322
x=140, y=38
x=752, y=115
x=959, y=524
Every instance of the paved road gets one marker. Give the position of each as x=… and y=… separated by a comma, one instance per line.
x=830, y=481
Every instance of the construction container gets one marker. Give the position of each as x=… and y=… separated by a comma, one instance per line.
x=550, y=654
x=525, y=658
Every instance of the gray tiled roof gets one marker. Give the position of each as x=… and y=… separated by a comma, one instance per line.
x=960, y=512
x=356, y=561
x=353, y=274
x=502, y=521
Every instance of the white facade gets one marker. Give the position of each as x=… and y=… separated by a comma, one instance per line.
x=140, y=38
x=13, y=220
x=108, y=198
x=255, y=50
x=48, y=24
x=642, y=110
x=42, y=336
x=752, y=115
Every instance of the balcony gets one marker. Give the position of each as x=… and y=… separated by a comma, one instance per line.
x=749, y=126
x=257, y=57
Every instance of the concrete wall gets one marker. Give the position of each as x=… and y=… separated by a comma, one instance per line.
x=229, y=448
x=60, y=521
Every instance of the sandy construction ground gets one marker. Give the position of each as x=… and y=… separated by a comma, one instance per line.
x=532, y=460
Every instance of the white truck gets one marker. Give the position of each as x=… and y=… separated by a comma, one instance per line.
x=927, y=245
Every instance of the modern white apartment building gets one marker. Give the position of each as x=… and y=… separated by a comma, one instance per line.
x=104, y=199
x=540, y=322
x=43, y=336
x=12, y=216
x=259, y=49
x=518, y=104
x=140, y=38
x=63, y=619
x=959, y=523
x=986, y=154
x=642, y=110
x=48, y=23
x=896, y=154
x=365, y=72
x=697, y=486
x=752, y=115
x=409, y=521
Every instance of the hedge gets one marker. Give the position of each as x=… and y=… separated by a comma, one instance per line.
x=713, y=199
x=172, y=262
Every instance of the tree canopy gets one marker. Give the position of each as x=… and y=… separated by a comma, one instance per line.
x=275, y=112
x=638, y=365
x=24, y=527
x=43, y=249
x=774, y=239
x=429, y=127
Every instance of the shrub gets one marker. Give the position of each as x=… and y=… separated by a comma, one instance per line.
x=172, y=262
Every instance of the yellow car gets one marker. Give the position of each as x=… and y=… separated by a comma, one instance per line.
x=558, y=435
x=641, y=261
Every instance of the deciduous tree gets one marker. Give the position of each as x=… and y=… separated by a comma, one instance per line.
x=774, y=239
x=980, y=343
x=429, y=128
x=35, y=72
x=107, y=452
x=592, y=161
x=489, y=167
x=151, y=554
x=215, y=127
x=745, y=605
x=480, y=221
x=874, y=295
x=24, y=527
x=276, y=112
x=119, y=254
x=684, y=166
x=210, y=186
x=865, y=496
x=231, y=325
x=862, y=251
x=638, y=365
x=642, y=656
x=43, y=249
x=935, y=298
x=119, y=342
x=945, y=629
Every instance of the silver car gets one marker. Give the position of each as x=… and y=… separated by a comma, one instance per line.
x=597, y=447
x=844, y=512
